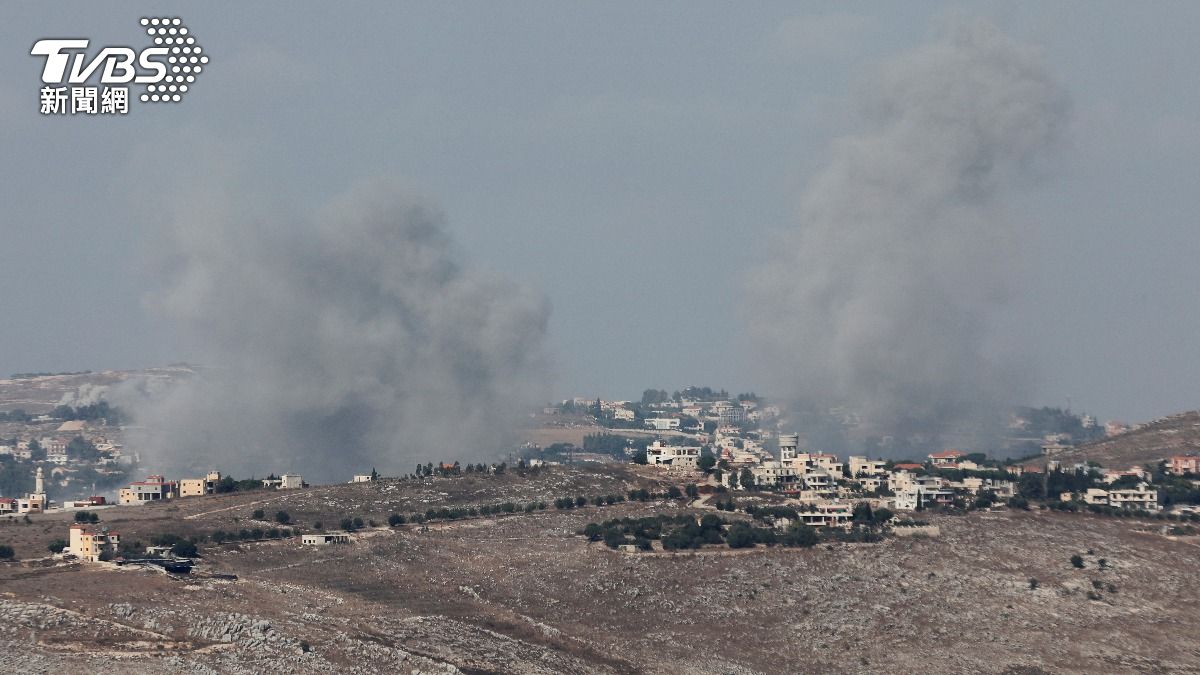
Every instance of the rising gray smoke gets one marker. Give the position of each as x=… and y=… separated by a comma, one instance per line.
x=353, y=341
x=884, y=297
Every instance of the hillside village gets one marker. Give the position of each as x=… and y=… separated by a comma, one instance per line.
x=716, y=452
x=654, y=500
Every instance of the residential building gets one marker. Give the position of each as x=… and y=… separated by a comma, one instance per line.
x=674, y=456
x=291, y=481
x=91, y=545
x=154, y=488
x=863, y=467
x=1142, y=496
x=1181, y=464
x=773, y=473
x=946, y=459
x=198, y=487
x=829, y=514
x=662, y=423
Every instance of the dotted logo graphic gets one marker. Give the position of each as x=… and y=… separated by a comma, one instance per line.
x=186, y=59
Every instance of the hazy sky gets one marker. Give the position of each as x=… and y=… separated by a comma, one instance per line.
x=628, y=160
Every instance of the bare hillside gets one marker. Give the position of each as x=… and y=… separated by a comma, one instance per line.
x=1174, y=435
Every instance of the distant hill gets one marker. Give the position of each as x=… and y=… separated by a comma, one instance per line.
x=1166, y=436
x=36, y=393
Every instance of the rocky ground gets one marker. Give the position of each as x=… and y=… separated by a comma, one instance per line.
x=522, y=593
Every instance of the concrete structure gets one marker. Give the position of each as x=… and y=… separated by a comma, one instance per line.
x=863, y=467
x=673, y=456
x=325, y=538
x=1181, y=464
x=662, y=423
x=154, y=488
x=789, y=445
x=362, y=478
x=1141, y=497
x=90, y=545
x=198, y=487
x=291, y=481
x=947, y=458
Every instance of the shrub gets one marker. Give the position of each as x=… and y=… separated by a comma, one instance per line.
x=593, y=531
x=273, y=533
x=1033, y=584
x=395, y=519
x=1077, y=561
x=318, y=525
x=347, y=524
x=258, y=514
x=257, y=533
x=282, y=517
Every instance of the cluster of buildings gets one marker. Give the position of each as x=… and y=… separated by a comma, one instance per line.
x=822, y=480
x=157, y=488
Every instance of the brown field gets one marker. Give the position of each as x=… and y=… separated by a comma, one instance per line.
x=522, y=593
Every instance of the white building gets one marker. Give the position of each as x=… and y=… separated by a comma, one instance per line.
x=673, y=456
x=662, y=423
x=325, y=538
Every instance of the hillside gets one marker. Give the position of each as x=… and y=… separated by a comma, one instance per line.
x=522, y=593
x=1166, y=436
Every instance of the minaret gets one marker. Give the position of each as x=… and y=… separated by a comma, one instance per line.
x=39, y=483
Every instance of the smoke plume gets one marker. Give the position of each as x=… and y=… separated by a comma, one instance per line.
x=352, y=340
x=884, y=297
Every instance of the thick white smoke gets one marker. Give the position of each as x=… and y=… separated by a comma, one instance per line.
x=883, y=298
x=352, y=341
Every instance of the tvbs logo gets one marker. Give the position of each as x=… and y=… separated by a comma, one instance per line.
x=167, y=69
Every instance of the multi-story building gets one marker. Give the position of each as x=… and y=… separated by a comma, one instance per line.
x=863, y=467
x=198, y=487
x=90, y=545
x=1142, y=496
x=673, y=456
x=776, y=474
x=1181, y=464
x=153, y=489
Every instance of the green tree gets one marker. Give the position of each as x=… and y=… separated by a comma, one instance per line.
x=282, y=517
x=395, y=519
x=184, y=549
x=740, y=536
x=6, y=552
x=593, y=531
x=800, y=534
x=57, y=546
x=614, y=537
x=882, y=515
x=36, y=452
x=258, y=514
